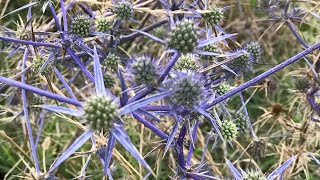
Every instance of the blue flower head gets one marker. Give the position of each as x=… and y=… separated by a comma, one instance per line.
x=144, y=71
x=81, y=26
x=123, y=10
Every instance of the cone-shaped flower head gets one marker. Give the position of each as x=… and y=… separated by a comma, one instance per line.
x=186, y=63
x=100, y=112
x=257, y=149
x=214, y=16
x=144, y=71
x=109, y=81
x=81, y=26
x=209, y=48
x=111, y=62
x=241, y=122
x=253, y=175
x=183, y=37
x=242, y=63
x=123, y=10
x=36, y=101
x=103, y=25
x=188, y=90
x=301, y=83
x=222, y=88
x=39, y=60
x=229, y=130
x=255, y=50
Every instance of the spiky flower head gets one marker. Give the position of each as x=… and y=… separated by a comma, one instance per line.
x=100, y=112
x=111, y=62
x=35, y=102
x=241, y=122
x=23, y=34
x=123, y=10
x=188, y=90
x=242, y=63
x=103, y=25
x=109, y=81
x=254, y=48
x=38, y=62
x=209, y=48
x=81, y=26
x=160, y=32
x=222, y=88
x=183, y=37
x=214, y=15
x=257, y=149
x=229, y=130
x=144, y=71
x=186, y=63
x=253, y=175
x=301, y=83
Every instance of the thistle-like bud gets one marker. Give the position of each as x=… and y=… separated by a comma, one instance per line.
x=214, y=16
x=160, y=32
x=209, y=48
x=111, y=62
x=253, y=175
x=100, y=112
x=109, y=81
x=241, y=122
x=81, y=26
x=144, y=72
x=23, y=34
x=229, y=130
x=242, y=63
x=257, y=149
x=189, y=91
x=123, y=10
x=183, y=37
x=301, y=83
x=254, y=48
x=38, y=61
x=222, y=88
x=186, y=63
x=103, y=25
x=36, y=101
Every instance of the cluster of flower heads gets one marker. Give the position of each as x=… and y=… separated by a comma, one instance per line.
x=190, y=55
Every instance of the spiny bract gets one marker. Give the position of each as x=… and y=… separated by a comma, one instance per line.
x=183, y=37
x=103, y=25
x=241, y=122
x=214, y=16
x=111, y=62
x=229, y=130
x=123, y=10
x=100, y=112
x=186, y=63
x=144, y=72
x=188, y=91
x=81, y=26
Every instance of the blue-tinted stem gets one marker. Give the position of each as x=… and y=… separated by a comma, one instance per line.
x=33, y=43
x=299, y=38
x=195, y=177
x=247, y=116
x=41, y=92
x=41, y=121
x=26, y=115
x=156, y=108
x=151, y=126
x=180, y=146
x=194, y=136
x=264, y=75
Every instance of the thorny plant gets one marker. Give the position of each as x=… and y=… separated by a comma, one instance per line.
x=188, y=77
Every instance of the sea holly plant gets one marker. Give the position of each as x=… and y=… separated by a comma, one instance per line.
x=193, y=86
